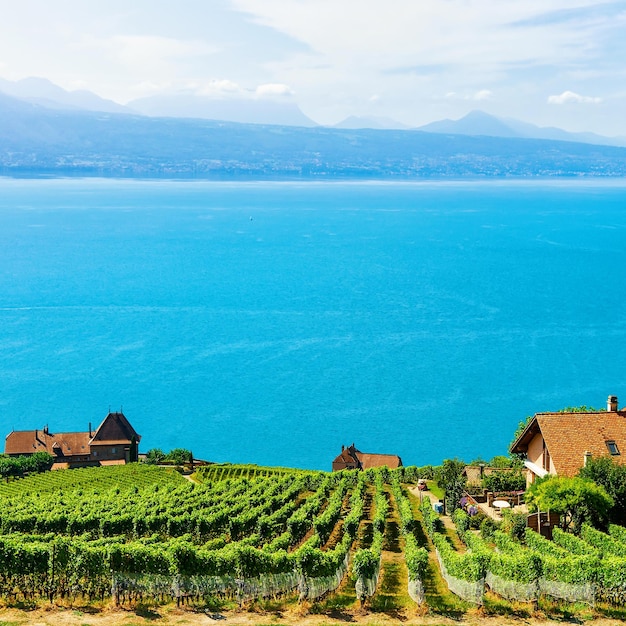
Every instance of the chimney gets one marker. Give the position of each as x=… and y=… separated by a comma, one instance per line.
x=90, y=430
x=586, y=458
x=611, y=404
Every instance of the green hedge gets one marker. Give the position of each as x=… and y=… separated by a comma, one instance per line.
x=469, y=566
x=573, y=544
x=606, y=544
x=416, y=558
x=432, y=521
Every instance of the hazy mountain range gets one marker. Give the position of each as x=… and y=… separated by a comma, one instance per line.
x=480, y=123
x=266, y=111
x=41, y=91
x=45, y=130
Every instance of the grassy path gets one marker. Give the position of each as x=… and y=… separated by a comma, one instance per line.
x=438, y=596
x=391, y=595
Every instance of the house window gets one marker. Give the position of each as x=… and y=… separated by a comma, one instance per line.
x=613, y=449
x=113, y=450
x=546, y=457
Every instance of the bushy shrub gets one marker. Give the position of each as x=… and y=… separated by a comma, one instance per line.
x=513, y=524
x=505, y=480
x=450, y=478
x=488, y=527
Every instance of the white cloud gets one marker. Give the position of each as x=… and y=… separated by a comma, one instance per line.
x=217, y=87
x=334, y=56
x=483, y=94
x=430, y=32
x=568, y=97
x=273, y=90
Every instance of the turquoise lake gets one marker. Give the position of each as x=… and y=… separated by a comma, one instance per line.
x=271, y=323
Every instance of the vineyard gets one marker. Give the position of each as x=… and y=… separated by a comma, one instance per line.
x=138, y=531
x=243, y=533
x=587, y=569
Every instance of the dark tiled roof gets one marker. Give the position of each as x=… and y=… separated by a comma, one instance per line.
x=348, y=455
x=115, y=428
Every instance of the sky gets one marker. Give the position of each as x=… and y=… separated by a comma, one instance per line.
x=548, y=62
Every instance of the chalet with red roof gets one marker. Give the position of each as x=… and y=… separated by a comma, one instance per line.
x=114, y=442
x=351, y=458
x=562, y=443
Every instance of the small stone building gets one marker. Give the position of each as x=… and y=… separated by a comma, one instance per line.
x=351, y=458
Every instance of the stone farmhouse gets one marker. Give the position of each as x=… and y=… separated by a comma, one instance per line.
x=562, y=443
x=114, y=442
x=351, y=458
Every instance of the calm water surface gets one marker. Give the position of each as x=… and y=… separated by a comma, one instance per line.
x=274, y=322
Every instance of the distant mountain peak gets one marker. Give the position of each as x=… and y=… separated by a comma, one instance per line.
x=476, y=122
x=480, y=123
x=46, y=93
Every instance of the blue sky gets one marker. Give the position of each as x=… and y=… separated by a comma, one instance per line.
x=549, y=62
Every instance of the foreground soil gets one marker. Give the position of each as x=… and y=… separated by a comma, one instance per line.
x=170, y=616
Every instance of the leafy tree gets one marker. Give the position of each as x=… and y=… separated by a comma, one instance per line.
x=505, y=461
x=154, y=456
x=576, y=499
x=179, y=456
x=20, y=465
x=478, y=461
x=37, y=462
x=449, y=477
x=9, y=467
x=521, y=427
x=514, y=524
x=612, y=476
x=512, y=480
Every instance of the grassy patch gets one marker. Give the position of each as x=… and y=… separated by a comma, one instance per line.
x=269, y=605
x=335, y=601
x=566, y=611
x=610, y=611
x=495, y=605
x=389, y=596
x=435, y=489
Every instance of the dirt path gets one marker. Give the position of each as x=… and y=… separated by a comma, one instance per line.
x=170, y=616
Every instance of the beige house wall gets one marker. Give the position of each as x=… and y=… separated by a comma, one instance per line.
x=535, y=450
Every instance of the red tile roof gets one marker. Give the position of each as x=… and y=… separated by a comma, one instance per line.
x=351, y=456
x=57, y=444
x=569, y=435
x=392, y=461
